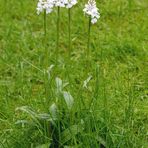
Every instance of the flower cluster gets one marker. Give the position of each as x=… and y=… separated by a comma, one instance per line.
x=70, y=3
x=92, y=10
x=45, y=5
x=65, y=3
x=59, y=3
x=49, y=4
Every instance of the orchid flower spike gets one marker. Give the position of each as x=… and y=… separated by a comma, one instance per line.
x=45, y=5
x=92, y=11
x=70, y=3
x=60, y=3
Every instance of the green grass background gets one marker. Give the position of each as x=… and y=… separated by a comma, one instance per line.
x=118, y=114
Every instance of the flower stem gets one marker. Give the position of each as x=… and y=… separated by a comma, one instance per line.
x=46, y=58
x=69, y=31
x=88, y=42
x=45, y=32
x=46, y=51
x=130, y=4
x=45, y=23
x=58, y=25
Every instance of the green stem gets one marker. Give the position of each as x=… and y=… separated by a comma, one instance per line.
x=45, y=23
x=105, y=103
x=46, y=58
x=69, y=30
x=130, y=4
x=88, y=42
x=96, y=93
x=58, y=25
x=45, y=37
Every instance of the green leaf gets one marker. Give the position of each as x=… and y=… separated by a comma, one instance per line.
x=53, y=110
x=59, y=84
x=70, y=132
x=68, y=99
x=101, y=140
x=86, y=82
x=28, y=110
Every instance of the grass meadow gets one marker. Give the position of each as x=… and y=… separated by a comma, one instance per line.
x=51, y=98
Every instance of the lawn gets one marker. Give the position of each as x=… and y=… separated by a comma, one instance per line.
x=79, y=98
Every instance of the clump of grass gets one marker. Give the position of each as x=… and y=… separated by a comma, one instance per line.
x=64, y=125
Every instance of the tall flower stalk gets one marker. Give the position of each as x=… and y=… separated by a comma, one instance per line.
x=45, y=39
x=45, y=23
x=69, y=4
x=58, y=28
x=45, y=6
x=91, y=11
x=45, y=56
x=69, y=30
x=88, y=42
x=130, y=4
x=58, y=4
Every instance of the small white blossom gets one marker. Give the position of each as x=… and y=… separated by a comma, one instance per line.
x=92, y=10
x=70, y=3
x=60, y=3
x=65, y=3
x=45, y=5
